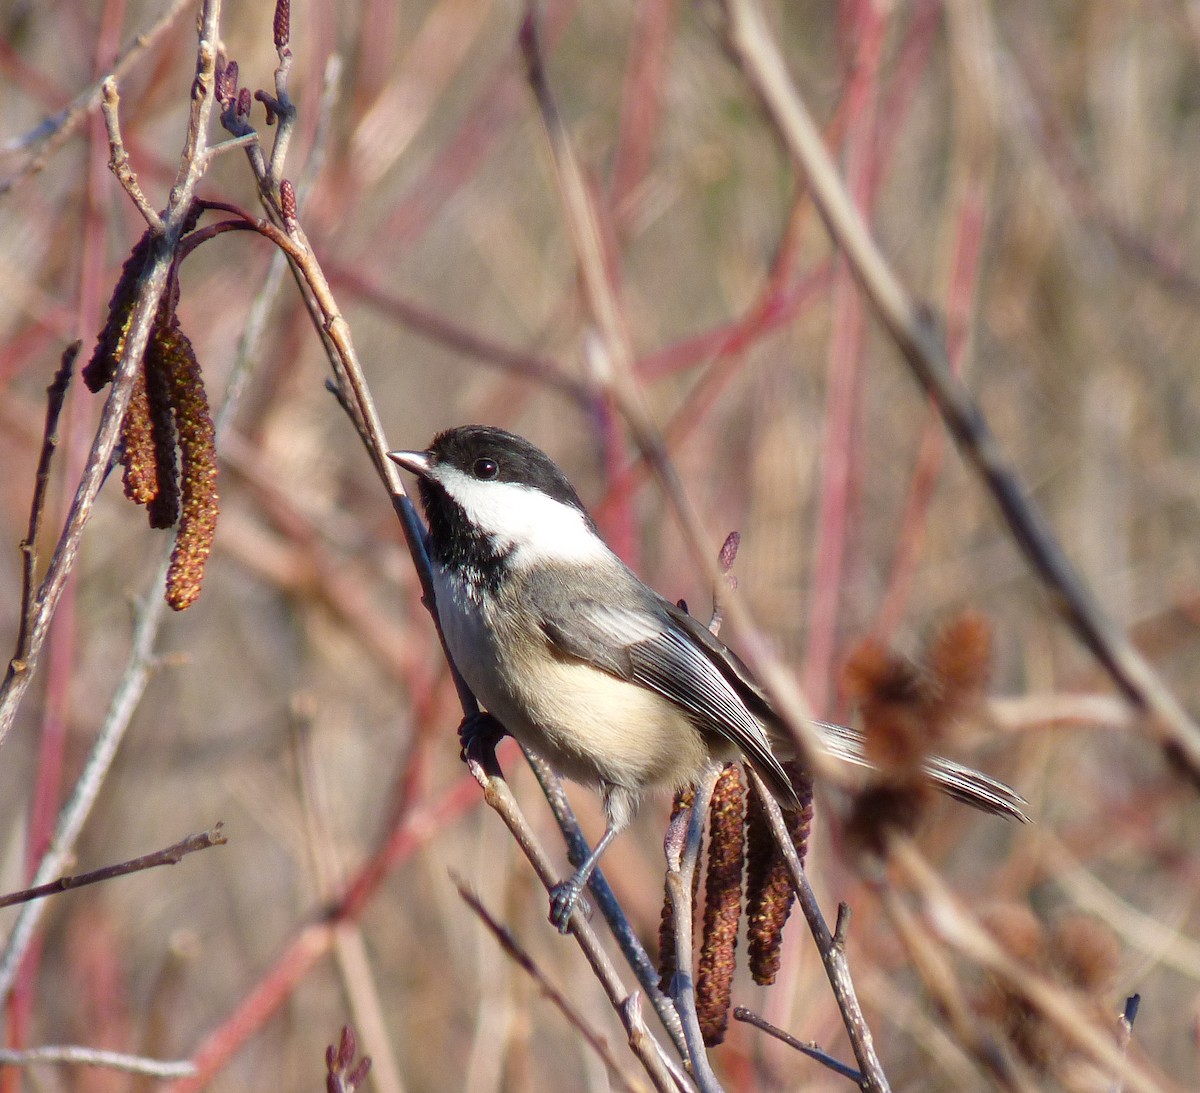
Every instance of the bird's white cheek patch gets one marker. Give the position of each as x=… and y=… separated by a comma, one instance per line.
x=525, y=521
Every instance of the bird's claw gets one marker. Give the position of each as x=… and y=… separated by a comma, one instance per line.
x=479, y=732
x=564, y=898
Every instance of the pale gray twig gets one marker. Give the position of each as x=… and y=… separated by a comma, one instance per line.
x=73, y=1055
x=740, y=1013
x=682, y=862
x=118, y=161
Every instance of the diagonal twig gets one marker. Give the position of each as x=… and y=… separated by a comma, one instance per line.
x=915, y=334
x=559, y=1000
x=56, y=393
x=170, y=855
x=740, y=1013
x=830, y=946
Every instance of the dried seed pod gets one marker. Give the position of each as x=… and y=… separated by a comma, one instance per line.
x=959, y=660
x=102, y=368
x=769, y=895
x=769, y=888
x=282, y=23
x=722, y=905
x=892, y=699
x=140, y=478
x=198, y=471
x=163, y=507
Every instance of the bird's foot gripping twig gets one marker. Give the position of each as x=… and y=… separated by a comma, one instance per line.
x=480, y=732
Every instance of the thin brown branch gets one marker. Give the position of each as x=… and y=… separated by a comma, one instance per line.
x=56, y=394
x=499, y=797
x=831, y=949
x=606, y=901
x=170, y=855
x=918, y=340
x=559, y=1000
x=740, y=1013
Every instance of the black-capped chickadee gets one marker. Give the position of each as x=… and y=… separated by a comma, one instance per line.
x=614, y=686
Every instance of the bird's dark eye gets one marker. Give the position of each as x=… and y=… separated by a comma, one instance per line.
x=485, y=469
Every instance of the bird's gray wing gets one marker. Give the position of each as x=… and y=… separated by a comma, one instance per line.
x=646, y=645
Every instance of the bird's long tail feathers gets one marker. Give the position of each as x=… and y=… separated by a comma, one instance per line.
x=960, y=782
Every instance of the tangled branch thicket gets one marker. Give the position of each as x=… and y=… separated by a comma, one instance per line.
x=615, y=229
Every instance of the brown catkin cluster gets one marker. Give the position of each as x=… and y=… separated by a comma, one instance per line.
x=282, y=23
x=722, y=905
x=140, y=478
x=168, y=439
x=1077, y=951
x=769, y=890
x=163, y=507
x=101, y=370
x=199, y=502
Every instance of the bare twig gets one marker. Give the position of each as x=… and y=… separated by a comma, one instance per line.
x=56, y=393
x=606, y=900
x=119, y=162
x=682, y=862
x=559, y=1000
x=499, y=797
x=357, y=397
x=73, y=1055
x=48, y=137
x=918, y=340
x=830, y=947
x=740, y=1013
x=612, y=363
x=170, y=855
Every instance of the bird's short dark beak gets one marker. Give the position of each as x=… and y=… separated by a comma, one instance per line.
x=417, y=462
